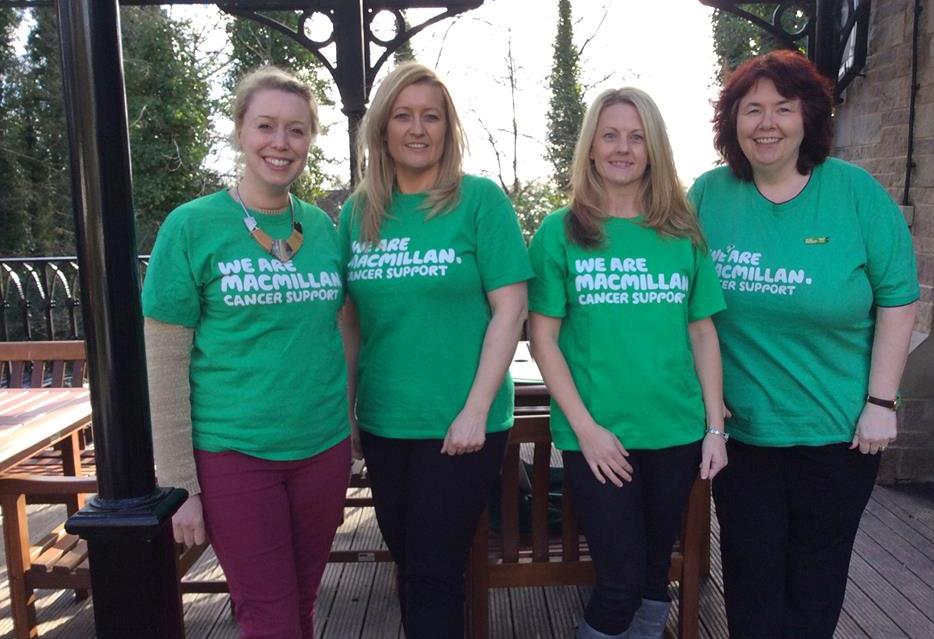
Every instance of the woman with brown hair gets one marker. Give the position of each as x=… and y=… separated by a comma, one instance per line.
x=817, y=268
x=621, y=330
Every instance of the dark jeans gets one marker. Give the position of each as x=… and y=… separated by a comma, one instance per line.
x=788, y=519
x=428, y=506
x=631, y=530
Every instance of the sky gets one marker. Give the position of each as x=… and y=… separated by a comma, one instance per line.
x=663, y=47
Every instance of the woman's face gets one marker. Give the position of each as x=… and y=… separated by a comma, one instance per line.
x=769, y=128
x=274, y=137
x=618, y=150
x=415, y=134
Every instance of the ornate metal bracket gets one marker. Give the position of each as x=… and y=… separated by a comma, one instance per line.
x=835, y=33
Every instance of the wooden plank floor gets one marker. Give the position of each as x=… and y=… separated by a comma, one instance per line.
x=890, y=592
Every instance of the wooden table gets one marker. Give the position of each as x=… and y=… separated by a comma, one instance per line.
x=32, y=419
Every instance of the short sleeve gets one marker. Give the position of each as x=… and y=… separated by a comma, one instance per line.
x=890, y=259
x=548, y=290
x=502, y=256
x=344, y=235
x=170, y=292
x=706, y=296
x=696, y=193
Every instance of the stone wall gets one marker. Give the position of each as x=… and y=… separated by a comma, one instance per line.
x=872, y=131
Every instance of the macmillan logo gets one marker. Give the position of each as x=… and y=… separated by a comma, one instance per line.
x=629, y=280
x=745, y=271
x=248, y=282
x=392, y=259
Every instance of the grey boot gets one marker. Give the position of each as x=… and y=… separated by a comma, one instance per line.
x=649, y=620
x=585, y=631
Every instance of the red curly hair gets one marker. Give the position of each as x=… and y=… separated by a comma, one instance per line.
x=794, y=76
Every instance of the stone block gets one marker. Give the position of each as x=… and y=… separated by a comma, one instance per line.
x=888, y=467
x=895, y=116
x=923, y=245
x=915, y=466
x=924, y=320
x=925, y=268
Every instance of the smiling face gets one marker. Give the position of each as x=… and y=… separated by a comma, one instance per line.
x=274, y=138
x=415, y=136
x=770, y=129
x=618, y=151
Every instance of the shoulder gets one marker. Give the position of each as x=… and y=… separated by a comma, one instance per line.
x=197, y=212
x=552, y=227
x=843, y=172
x=312, y=214
x=722, y=176
x=478, y=183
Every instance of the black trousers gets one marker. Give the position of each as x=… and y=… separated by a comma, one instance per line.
x=631, y=530
x=788, y=519
x=428, y=506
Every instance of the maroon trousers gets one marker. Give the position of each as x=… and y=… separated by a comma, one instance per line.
x=271, y=524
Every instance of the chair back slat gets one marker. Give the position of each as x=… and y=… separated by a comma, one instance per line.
x=44, y=363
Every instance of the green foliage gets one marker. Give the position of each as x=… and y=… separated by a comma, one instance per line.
x=169, y=126
x=15, y=238
x=404, y=53
x=566, y=105
x=255, y=45
x=736, y=39
x=169, y=117
x=533, y=201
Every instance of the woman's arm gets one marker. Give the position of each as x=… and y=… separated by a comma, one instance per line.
x=709, y=368
x=168, y=358
x=877, y=425
x=350, y=334
x=467, y=432
x=603, y=451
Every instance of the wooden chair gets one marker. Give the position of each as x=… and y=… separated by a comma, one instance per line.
x=510, y=559
x=59, y=560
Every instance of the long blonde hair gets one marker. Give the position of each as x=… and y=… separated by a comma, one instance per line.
x=375, y=167
x=666, y=207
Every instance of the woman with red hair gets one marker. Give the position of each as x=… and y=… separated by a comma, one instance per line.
x=816, y=265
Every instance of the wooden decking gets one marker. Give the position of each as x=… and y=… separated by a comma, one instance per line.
x=890, y=592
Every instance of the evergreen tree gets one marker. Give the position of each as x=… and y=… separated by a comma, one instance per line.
x=15, y=238
x=255, y=45
x=169, y=124
x=169, y=117
x=404, y=53
x=566, y=105
x=736, y=39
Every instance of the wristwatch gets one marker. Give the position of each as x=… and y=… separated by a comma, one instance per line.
x=892, y=404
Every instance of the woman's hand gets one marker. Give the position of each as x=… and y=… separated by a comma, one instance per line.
x=188, y=523
x=713, y=455
x=466, y=434
x=875, y=429
x=605, y=455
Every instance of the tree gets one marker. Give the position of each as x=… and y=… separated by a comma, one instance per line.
x=169, y=125
x=169, y=117
x=255, y=45
x=404, y=53
x=13, y=220
x=566, y=105
x=736, y=39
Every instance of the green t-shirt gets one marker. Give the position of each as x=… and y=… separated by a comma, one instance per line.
x=267, y=370
x=625, y=308
x=421, y=298
x=802, y=281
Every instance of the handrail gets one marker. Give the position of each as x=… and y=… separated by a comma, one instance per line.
x=40, y=298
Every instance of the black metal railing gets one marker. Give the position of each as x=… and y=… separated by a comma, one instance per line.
x=40, y=298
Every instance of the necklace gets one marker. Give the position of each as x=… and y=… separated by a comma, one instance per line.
x=282, y=250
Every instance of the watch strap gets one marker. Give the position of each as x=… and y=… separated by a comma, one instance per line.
x=891, y=404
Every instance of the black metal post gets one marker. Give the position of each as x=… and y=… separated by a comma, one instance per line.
x=826, y=34
x=130, y=546
x=351, y=67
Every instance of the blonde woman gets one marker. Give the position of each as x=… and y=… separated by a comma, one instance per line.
x=436, y=271
x=246, y=371
x=621, y=329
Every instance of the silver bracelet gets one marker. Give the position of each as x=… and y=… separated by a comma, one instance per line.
x=716, y=431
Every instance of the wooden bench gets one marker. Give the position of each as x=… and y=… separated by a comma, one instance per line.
x=510, y=559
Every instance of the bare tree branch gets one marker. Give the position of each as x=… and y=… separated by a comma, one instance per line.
x=606, y=10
